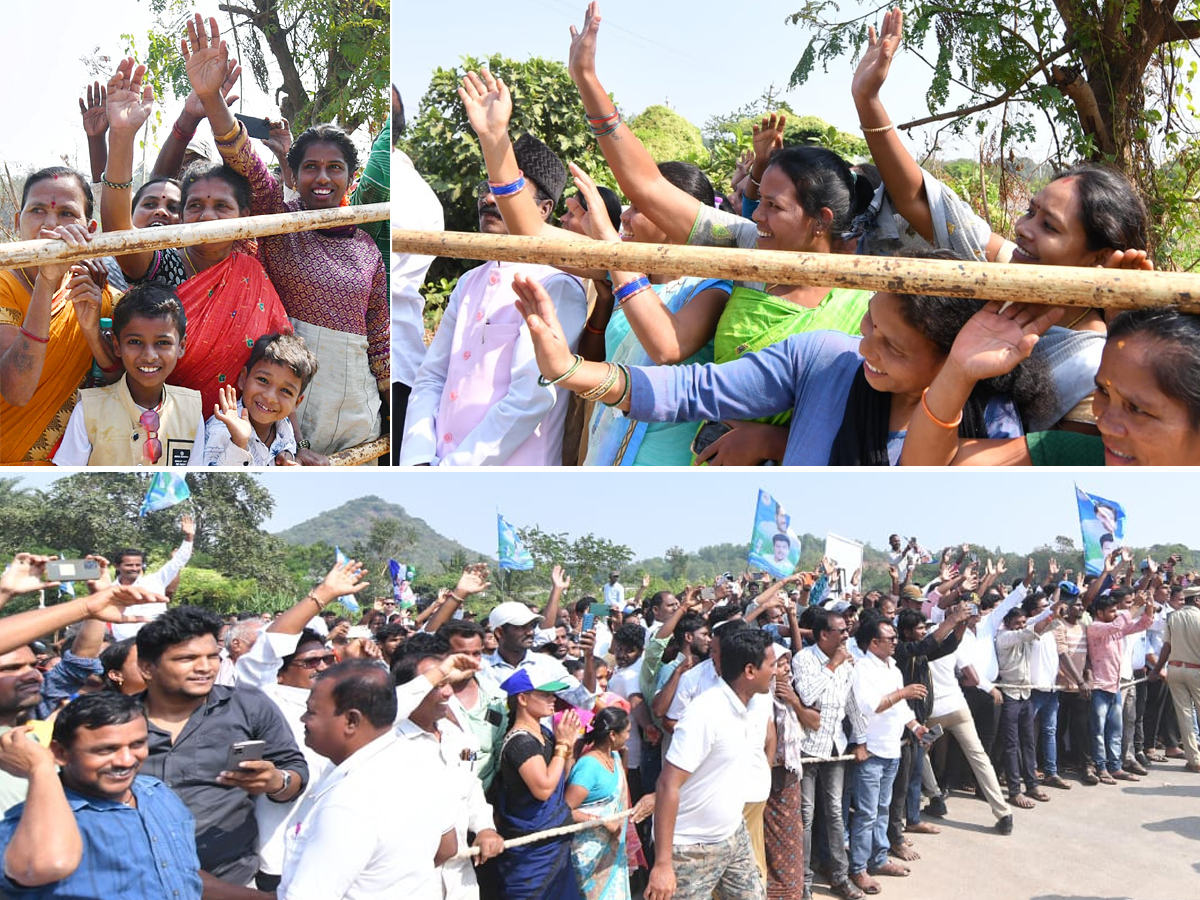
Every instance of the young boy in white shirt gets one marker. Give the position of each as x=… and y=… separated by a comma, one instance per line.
x=255, y=430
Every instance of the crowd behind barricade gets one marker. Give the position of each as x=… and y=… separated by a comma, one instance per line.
x=747, y=738
x=266, y=352
x=538, y=365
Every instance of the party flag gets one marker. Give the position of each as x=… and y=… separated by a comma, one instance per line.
x=513, y=554
x=347, y=600
x=1103, y=525
x=774, y=546
x=166, y=489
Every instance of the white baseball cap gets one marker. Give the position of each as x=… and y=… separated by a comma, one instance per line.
x=512, y=613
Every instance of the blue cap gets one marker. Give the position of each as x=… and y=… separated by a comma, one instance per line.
x=1069, y=587
x=519, y=683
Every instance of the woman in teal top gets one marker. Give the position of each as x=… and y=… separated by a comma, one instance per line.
x=596, y=788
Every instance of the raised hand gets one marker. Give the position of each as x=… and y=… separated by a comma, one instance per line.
x=105, y=578
x=550, y=346
x=279, y=140
x=206, y=57
x=474, y=580
x=581, y=61
x=195, y=108
x=109, y=604
x=876, y=60
x=995, y=340
x=559, y=578
x=226, y=411
x=21, y=754
x=188, y=526
x=768, y=136
x=488, y=104
x=344, y=578
x=1001, y=566
x=598, y=225
x=95, y=118
x=567, y=729
x=1053, y=567
x=129, y=101
x=1127, y=259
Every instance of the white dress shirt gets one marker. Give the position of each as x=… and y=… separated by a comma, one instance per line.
x=874, y=679
x=415, y=207
x=367, y=832
x=157, y=582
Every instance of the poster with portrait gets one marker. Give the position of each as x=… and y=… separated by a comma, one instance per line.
x=774, y=547
x=1102, y=523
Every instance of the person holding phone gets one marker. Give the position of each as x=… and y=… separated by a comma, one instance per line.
x=193, y=725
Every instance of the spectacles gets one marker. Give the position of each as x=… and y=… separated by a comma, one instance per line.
x=152, y=449
x=314, y=662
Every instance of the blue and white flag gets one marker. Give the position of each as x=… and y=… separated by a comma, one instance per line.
x=774, y=547
x=66, y=587
x=513, y=554
x=397, y=573
x=347, y=600
x=166, y=489
x=1102, y=523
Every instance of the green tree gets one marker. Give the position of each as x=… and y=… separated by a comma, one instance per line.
x=677, y=563
x=1113, y=79
x=669, y=136
x=332, y=55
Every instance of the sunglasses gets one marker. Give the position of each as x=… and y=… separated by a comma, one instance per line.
x=152, y=449
x=313, y=662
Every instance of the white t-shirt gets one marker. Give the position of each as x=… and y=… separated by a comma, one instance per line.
x=152, y=581
x=692, y=684
x=624, y=683
x=346, y=841
x=614, y=595
x=874, y=679
x=719, y=741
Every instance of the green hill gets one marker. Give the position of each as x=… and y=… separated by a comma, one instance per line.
x=352, y=523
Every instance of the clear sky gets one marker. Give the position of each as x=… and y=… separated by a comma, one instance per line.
x=653, y=510
x=700, y=58
x=46, y=75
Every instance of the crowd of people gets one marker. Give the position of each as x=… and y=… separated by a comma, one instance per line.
x=272, y=351
x=543, y=365
x=744, y=738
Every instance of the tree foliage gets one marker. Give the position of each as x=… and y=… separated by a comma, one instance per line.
x=669, y=136
x=332, y=56
x=587, y=559
x=1112, y=80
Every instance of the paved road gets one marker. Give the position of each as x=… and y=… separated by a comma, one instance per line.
x=1125, y=842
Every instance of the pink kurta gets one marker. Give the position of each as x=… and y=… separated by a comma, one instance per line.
x=479, y=373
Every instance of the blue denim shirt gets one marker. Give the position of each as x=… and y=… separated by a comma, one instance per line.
x=147, y=852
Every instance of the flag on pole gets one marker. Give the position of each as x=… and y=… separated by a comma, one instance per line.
x=513, y=554
x=67, y=587
x=774, y=546
x=397, y=573
x=1102, y=523
x=166, y=489
x=347, y=600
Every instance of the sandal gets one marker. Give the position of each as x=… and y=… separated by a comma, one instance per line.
x=1039, y=795
x=1021, y=801
x=866, y=883
x=894, y=870
x=1105, y=778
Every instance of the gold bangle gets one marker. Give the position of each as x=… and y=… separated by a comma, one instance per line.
x=229, y=136
x=313, y=598
x=865, y=130
x=604, y=386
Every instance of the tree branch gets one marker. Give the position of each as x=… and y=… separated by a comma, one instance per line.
x=995, y=101
x=1187, y=30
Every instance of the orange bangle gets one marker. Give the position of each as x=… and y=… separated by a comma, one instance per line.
x=949, y=426
x=590, y=330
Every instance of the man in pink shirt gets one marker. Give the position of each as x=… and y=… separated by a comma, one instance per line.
x=1106, y=644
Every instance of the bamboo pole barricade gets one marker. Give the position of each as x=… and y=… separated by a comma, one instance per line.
x=1060, y=285
x=115, y=243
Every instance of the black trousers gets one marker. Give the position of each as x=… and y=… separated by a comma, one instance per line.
x=400, y=394
x=1074, y=733
x=1019, y=734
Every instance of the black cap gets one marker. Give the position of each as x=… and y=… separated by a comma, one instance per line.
x=541, y=166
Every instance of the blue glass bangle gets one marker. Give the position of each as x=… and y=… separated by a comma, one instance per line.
x=506, y=190
x=627, y=290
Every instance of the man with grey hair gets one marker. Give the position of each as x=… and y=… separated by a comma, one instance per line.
x=241, y=636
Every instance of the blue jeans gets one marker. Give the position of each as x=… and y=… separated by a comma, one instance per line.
x=873, y=780
x=1107, y=722
x=1045, y=707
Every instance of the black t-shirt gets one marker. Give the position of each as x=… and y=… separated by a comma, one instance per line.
x=518, y=748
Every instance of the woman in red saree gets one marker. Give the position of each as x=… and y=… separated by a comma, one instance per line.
x=228, y=299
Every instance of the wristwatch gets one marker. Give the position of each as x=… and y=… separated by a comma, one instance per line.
x=287, y=783
x=303, y=445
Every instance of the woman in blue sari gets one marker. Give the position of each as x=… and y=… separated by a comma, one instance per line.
x=530, y=793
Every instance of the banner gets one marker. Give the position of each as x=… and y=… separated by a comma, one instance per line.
x=166, y=489
x=347, y=600
x=513, y=554
x=774, y=547
x=1102, y=523
x=847, y=558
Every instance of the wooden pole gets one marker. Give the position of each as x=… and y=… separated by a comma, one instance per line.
x=562, y=830
x=362, y=453
x=1069, y=286
x=114, y=243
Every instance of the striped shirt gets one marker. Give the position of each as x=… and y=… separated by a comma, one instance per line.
x=830, y=692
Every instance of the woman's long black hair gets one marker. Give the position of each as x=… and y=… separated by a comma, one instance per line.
x=863, y=436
